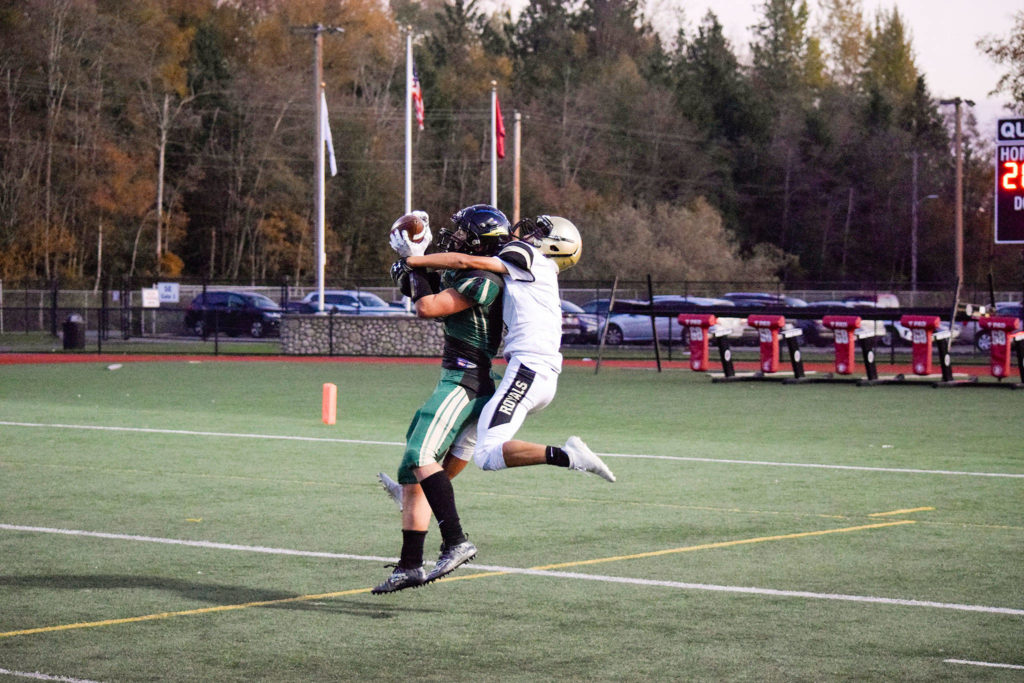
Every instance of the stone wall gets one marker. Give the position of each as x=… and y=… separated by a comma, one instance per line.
x=360, y=335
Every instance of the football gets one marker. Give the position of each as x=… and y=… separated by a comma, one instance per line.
x=412, y=224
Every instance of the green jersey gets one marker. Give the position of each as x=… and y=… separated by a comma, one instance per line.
x=471, y=339
x=472, y=336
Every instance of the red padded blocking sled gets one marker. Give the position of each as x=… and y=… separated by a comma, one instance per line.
x=768, y=327
x=1002, y=330
x=844, y=327
x=923, y=328
x=697, y=325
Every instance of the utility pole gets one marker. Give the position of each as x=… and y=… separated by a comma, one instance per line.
x=959, y=199
x=317, y=31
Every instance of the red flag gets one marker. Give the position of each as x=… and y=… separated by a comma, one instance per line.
x=417, y=97
x=499, y=127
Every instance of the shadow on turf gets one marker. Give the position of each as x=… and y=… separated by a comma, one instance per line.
x=216, y=594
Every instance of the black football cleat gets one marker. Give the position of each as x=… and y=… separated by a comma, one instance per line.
x=451, y=558
x=400, y=579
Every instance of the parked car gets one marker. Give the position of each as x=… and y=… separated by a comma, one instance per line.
x=982, y=339
x=970, y=330
x=233, y=313
x=876, y=300
x=624, y=328
x=578, y=326
x=906, y=335
x=884, y=329
x=738, y=330
x=813, y=331
x=1009, y=308
x=349, y=302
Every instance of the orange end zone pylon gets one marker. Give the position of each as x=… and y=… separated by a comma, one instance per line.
x=330, y=403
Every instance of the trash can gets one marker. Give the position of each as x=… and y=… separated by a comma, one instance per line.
x=74, y=332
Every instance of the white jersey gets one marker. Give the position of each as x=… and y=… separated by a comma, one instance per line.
x=532, y=307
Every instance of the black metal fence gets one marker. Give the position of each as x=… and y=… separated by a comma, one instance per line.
x=153, y=317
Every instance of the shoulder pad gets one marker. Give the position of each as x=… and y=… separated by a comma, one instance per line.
x=519, y=254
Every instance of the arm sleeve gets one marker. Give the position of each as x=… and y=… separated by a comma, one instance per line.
x=429, y=282
x=480, y=286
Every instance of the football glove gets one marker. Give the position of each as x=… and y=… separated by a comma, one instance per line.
x=400, y=271
x=405, y=247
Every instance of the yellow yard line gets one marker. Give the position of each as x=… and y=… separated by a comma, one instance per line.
x=724, y=544
x=900, y=512
x=183, y=613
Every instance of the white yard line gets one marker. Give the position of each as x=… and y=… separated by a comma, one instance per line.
x=365, y=442
x=748, y=590
x=194, y=544
x=860, y=468
x=43, y=677
x=189, y=432
x=991, y=665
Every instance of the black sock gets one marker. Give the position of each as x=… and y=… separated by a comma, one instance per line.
x=441, y=497
x=556, y=456
x=412, y=549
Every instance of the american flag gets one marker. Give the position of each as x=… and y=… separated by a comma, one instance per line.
x=417, y=96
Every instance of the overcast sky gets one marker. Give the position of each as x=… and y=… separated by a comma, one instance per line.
x=943, y=34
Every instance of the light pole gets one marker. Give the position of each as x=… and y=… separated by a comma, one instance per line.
x=959, y=199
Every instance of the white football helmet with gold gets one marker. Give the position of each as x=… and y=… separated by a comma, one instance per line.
x=556, y=237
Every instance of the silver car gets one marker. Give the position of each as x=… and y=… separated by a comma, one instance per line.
x=349, y=302
x=971, y=331
x=625, y=328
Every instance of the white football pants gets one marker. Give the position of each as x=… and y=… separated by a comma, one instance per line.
x=523, y=390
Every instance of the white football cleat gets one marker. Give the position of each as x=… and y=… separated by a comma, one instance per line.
x=392, y=488
x=582, y=459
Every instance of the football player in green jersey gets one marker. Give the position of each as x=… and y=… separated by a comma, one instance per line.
x=470, y=302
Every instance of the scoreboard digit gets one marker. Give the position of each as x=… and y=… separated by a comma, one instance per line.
x=1009, y=213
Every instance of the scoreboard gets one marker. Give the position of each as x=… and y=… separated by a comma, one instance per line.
x=1009, y=213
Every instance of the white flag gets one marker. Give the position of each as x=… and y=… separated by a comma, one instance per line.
x=327, y=133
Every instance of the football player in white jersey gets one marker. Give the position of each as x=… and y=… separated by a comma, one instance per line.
x=529, y=265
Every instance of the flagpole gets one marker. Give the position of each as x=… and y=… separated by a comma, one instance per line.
x=408, y=119
x=494, y=144
x=515, y=169
x=321, y=204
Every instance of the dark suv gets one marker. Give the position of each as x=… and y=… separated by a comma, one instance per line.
x=233, y=313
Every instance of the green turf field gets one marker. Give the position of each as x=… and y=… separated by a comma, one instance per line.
x=197, y=522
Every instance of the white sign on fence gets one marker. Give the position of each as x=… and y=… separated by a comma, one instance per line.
x=150, y=297
x=168, y=292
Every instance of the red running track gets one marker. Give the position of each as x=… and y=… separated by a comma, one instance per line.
x=741, y=366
